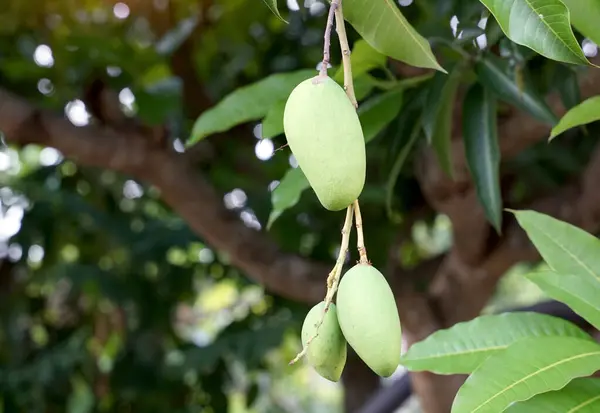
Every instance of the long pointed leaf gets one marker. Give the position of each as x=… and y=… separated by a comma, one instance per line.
x=461, y=348
x=579, y=396
x=526, y=368
x=586, y=112
x=377, y=112
x=383, y=26
x=247, y=103
x=482, y=151
x=272, y=5
x=579, y=293
x=585, y=15
x=287, y=194
x=565, y=248
x=493, y=73
x=441, y=103
x=541, y=25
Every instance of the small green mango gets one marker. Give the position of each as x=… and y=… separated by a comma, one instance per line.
x=325, y=135
x=327, y=352
x=369, y=319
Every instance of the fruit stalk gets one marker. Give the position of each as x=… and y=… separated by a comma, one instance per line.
x=327, y=38
x=334, y=276
x=333, y=279
x=360, y=239
x=345, y=47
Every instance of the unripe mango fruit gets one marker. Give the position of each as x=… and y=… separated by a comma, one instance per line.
x=325, y=135
x=369, y=319
x=327, y=352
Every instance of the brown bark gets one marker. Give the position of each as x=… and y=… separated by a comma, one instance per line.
x=186, y=191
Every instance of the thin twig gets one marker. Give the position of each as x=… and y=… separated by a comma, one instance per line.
x=360, y=239
x=327, y=38
x=333, y=279
x=341, y=31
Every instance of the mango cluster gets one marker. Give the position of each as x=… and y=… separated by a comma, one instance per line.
x=325, y=135
x=365, y=317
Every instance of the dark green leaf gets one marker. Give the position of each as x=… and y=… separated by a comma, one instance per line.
x=586, y=112
x=565, y=248
x=247, y=103
x=461, y=348
x=384, y=27
x=482, y=151
x=272, y=5
x=568, y=86
x=494, y=74
x=272, y=124
x=377, y=112
x=579, y=396
x=585, y=15
x=287, y=194
x=395, y=171
x=438, y=115
x=526, y=368
x=579, y=293
x=543, y=26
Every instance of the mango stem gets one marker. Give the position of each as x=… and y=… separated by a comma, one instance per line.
x=360, y=239
x=345, y=47
x=327, y=38
x=333, y=279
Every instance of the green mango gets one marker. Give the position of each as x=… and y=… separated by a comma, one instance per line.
x=327, y=352
x=325, y=135
x=369, y=319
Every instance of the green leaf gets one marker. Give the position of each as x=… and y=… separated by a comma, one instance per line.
x=586, y=112
x=482, y=151
x=377, y=112
x=579, y=396
x=581, y=294
x=541, y=25
x=272, y=124
x=493, y=73
x=438, y=115
x=287, y=194
x=395, y=172
x=81, y=399
x=362, y=86
x=568, y=86
x=247, y=103
x=362, y=59
x=461, y=348
x=585, y=15
x=565, y=248
x=383, y=26
x=528, y=367
x=272, y=5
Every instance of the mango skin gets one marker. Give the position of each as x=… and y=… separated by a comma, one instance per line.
x=369, y=319
x=328, y=351
x=325, y=135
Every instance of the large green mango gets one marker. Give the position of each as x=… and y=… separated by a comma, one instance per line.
x=368, y=317
x=327, y=352
x=324, y=133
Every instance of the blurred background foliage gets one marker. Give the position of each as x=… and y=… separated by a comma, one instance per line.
x=108, y=301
